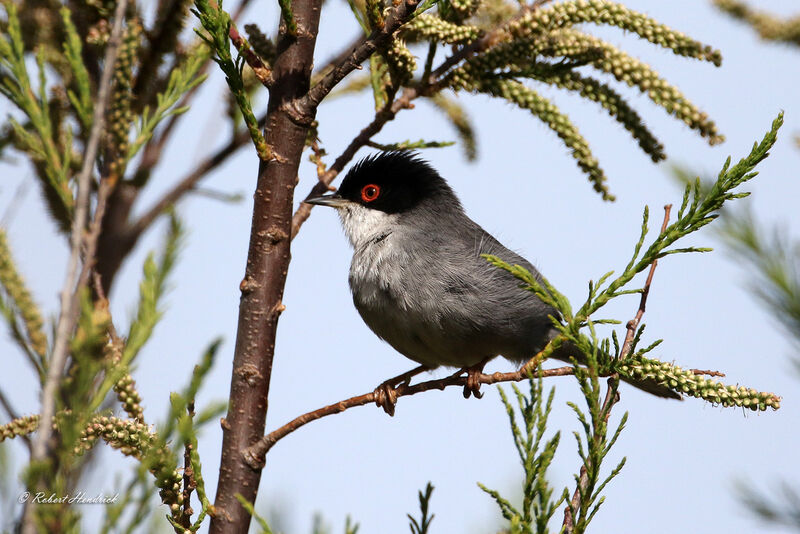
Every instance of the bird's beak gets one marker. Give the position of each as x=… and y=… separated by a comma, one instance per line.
x=333, y=200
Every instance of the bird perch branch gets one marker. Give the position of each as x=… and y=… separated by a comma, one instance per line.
x=255, y=455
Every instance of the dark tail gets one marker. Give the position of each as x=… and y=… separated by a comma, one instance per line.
x=567, y=352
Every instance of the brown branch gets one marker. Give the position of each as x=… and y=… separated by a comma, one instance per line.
x=267, y=264
x=633, y=324
x=336, y=60
x=305, y=107
x=612, y=396
x=262, y=71
x=256, y=454
x=69, y=293
x=189, y=482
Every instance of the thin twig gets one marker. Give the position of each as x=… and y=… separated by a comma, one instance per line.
x=380, y=36
x=90, y=242
x=611, y=393
x=189, y=482
x=69, y=293
x=429, y=85
x=334, y=61
x=262, y=71
x=633, y=324
x=255, y=455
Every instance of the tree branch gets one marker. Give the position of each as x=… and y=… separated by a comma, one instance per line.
x=256, y=454
x=305, y=107
x=262, y=71
x=268, y=259
x=70, y=290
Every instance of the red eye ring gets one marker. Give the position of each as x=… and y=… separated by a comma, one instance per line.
x=370, y=192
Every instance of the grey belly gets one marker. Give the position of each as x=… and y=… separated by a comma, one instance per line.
x=416, y=328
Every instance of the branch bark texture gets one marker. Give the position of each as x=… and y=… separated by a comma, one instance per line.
x=265, y=274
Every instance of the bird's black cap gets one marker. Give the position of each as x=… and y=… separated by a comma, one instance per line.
x=391, y=182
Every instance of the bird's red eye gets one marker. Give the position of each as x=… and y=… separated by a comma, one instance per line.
x=370, y=192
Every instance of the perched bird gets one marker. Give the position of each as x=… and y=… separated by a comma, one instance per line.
x=417, y=275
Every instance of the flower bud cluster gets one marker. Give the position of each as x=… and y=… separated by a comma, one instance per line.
x=401, y=62
x=19, y=427
x=132, y=438
x=635, y=73
x=120, y=116
x=567, y=14
x=432, y=28
x=261, y=44
x=527, y=98
x=129, y=397
x=464, y=8
x=686, y=381
x=612, y=102
x=768, y=26
x=14, y=286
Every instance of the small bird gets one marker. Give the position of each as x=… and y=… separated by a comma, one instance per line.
x=419, y=281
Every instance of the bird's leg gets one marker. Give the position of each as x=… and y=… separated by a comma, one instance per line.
x=385, y=394
x=473, y=385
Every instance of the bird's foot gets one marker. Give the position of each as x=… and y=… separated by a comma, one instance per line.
x=386, y=392
x=386, y=397
x=473, y=384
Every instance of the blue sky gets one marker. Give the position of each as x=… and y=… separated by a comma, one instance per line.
x=682, y=458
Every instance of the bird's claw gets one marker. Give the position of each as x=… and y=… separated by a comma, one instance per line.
x=473, y=384
x=386, y=397
x=386, y=393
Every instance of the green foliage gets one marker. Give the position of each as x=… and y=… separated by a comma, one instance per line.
x=699, y=207
x=538, y=504
x=287, y=14
x=262, y=523
x=217, y=24
x=410, y=145
x=39, y=137
x=775, y=259
x=20, y=311
x=769, y=27
x=181, y=80
x=513, y=45
x=780, y=507
x=152, y=289
x=424, y=523
x=594, y=444
x=73, y=49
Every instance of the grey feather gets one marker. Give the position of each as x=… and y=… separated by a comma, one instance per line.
x=419, y=281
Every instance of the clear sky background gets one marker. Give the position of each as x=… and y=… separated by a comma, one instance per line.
x=682, y=458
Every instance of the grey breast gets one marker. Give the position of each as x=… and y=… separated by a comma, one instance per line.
x=427, y=292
